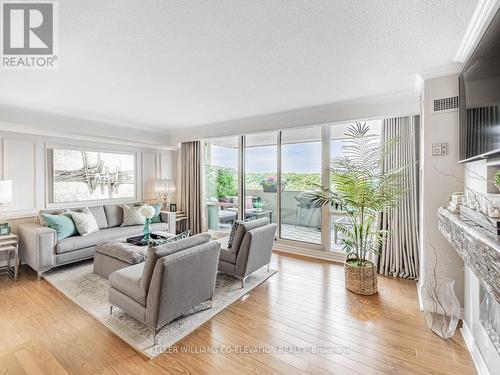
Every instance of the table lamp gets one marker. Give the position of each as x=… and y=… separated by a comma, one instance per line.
x=165, y=189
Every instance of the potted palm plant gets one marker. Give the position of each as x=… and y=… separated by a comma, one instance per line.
x=363, y=190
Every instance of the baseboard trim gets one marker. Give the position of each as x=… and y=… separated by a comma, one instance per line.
x=477, y=358
x=419, y=294
x=317, y=254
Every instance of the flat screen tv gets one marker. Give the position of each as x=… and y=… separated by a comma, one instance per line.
x=480, y=98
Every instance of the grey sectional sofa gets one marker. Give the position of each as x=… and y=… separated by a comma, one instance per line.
x=42, y=251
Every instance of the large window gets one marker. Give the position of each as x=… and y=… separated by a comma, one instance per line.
x=277, y=172
x=261, y=176
x=221, y=182
x=301, y=158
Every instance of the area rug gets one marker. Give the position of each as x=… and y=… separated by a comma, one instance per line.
x=90, y=291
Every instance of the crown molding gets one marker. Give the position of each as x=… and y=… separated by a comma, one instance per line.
x=442, y=71
x=397, y=104
x=481, y=18
x=77, y=115
x=37, y=131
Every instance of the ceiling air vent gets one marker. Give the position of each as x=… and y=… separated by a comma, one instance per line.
x=446, y=104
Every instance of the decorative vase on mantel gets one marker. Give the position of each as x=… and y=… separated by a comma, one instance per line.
x=441, y=306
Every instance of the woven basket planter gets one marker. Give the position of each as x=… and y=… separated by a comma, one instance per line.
x=361, y=280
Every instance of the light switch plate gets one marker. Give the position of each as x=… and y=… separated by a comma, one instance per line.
x=437, y=149
x=444, y=148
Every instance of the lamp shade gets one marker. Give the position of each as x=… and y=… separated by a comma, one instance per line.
x=170, y=186
x=165, y=186
x=5, y=191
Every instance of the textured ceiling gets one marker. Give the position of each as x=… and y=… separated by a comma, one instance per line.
x=174, y=64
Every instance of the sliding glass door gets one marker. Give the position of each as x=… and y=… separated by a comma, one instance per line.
x=261, y=176
x=221, y=182
x=301, y=160
x=272, y=175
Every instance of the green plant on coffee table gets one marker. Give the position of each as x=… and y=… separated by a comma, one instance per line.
x=360, y=186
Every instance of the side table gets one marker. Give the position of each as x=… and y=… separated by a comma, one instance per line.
x=181, y=222
x=8, y=244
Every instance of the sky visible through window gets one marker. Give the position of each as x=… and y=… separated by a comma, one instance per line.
x=296, y=157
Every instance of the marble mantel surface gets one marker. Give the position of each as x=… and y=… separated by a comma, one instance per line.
x=479, y=248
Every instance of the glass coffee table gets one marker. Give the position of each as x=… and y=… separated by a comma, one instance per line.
x=139, y=240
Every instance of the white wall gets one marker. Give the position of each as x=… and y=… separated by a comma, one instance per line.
x=440, y=176
x=23, y=160
x=37, y=122
x=361, y=109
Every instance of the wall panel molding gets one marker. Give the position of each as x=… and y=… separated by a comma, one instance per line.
x=20, y=166
x=23, y=158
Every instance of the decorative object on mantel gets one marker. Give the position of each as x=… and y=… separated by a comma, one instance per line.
x=361, y=187
x=482, y=209
x=440, y=304
x=5, y=196
x=148, y=212
x=481, y=219
x=471, y=200
x=456, y=200
x=479, y=248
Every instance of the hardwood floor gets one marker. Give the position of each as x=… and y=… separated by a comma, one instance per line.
x=305, y=305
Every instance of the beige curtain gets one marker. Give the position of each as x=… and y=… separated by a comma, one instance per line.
x=191, y=185
x=399, y=253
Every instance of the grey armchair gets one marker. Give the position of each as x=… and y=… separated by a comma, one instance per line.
x=251, y=249
x=174, y=278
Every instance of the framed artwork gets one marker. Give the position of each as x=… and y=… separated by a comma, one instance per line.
x=76, y=175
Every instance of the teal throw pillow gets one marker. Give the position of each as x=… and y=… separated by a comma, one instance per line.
x=63, y=224
x=156, y=218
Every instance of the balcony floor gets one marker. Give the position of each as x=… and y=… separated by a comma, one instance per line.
x=307, y=234
x=296, y=233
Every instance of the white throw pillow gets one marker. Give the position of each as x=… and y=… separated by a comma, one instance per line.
x=85, y=222
x=132, y=216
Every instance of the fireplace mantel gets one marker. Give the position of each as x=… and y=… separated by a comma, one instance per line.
x=479, y=248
